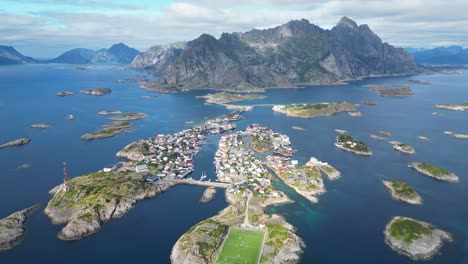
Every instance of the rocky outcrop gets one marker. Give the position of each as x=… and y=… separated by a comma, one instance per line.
x=208, y=194
x=13, y=227
x=129, y=116
x=97, y=91
x=158, y=58
x=434, y=172
x=314, y=110
x=111, y=130
x=90, y=200
x=65, y=93
x=42, y=126
x=415, y=239
x=403, y=192
x=17, y=142
x=296, y=53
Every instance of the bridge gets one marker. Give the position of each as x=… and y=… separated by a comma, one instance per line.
x=202, y=183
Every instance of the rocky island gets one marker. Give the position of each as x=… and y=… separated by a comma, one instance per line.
x=85, y=202
x=111, y=130
x=97, y=91
x=109, y=112
x=226, y=98
x=13, y=228
x=314, y=110
x=391, y=90
x=65, y=93
x=346, y=142
x=129, y=116
x=419, y=81
x=208, y=194
x=369, y=102
x=42, y=126
x=415, y=239
x=461, y=136
x=453, y=107
x=403, y=192
x=17, y=142
x=403, y=148
x=434, y=172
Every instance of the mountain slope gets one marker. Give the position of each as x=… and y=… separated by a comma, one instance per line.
x=291, y=54
x=9, y=55
x=441, y=55
x=116, y=54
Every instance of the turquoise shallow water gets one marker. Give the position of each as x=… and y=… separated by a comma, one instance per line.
x=346, y=226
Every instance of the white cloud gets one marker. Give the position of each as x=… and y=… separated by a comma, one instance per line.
x=401, y=22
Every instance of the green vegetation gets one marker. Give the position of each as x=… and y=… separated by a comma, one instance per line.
x=260, y=145
x=306, y=107
x=403, y=189
x=329, y=169
x=278, y=236
x=241, y=246
x=434, y=170
x=408, y=230
x=351, y=143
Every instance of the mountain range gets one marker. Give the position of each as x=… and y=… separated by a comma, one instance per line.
x=116, y=54
x=440, y=55
x=9, y=56
x=295, y=53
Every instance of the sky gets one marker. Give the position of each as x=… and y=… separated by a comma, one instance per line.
x=47, y=28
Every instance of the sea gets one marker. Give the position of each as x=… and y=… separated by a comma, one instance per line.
x=345, y=226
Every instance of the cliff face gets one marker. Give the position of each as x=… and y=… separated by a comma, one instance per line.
x=294, y=53
x=9, y=55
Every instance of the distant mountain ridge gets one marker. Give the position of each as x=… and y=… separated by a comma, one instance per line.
x=441, y=55
x=10, y=56
x=116, y=54
x=295, y=53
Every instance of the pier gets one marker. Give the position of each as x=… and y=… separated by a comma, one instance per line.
x=202, y=183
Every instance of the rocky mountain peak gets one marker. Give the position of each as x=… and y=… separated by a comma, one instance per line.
x=347, y=23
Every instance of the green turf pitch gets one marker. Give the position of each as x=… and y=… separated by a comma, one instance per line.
x=241, y=247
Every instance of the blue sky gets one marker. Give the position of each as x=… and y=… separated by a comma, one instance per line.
x=46, y=28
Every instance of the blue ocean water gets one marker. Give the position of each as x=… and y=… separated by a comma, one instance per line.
x=346, y=226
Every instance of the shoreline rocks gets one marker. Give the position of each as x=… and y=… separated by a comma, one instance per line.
x=17, y=142
x=415, y=239
x=13, y=228
x=111, y=130
x=109, y=112
x=434, y=172
x=403, y=192
x=369, y=102
x=403, y=148
x=453, y=107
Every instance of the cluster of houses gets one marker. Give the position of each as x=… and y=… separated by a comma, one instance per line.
x=280, y=142
x=237, y=164
x=291, y=172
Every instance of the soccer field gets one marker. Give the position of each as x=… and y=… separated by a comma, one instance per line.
x=241, y=247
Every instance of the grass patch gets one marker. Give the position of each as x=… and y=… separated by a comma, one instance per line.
x=434, y=170
x=408, y=230
x=360, y=146
x=403, y=189
x=241, y=246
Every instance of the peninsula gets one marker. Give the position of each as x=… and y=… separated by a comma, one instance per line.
x=111, y=130
x=13, y=228
x=434, y=172
x=346, y=142
x=97, y=91
x=129, y=116
x=17, y=142
x=454, y=107
x=403, y=192
x=269, y=238
x=416, y=239
x=314, y=110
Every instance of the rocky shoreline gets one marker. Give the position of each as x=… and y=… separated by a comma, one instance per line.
x=65, y=93
x=453, y=107
x=111, y=130
x=97, y=91
x=423, y=244
x=13, y=228
x=17, y=142
x=42, y=126
x=109, y=112
x=84, y=214
x=441, y=174
x=403, y=148
x=129, y=117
